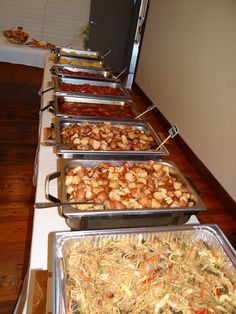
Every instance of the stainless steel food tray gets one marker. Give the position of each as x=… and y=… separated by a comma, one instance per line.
x=79, y=53
x=88, y=74
x=63, y=242
x=59, y=80
x=81, y=62
x=66, y=151
x=113, y=218
x=105, y=103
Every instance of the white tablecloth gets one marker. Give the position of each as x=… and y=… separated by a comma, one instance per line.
x=48, y=220
x=21, y=54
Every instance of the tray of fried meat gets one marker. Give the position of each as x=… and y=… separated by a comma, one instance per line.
x=95, y=137
x=118, y=193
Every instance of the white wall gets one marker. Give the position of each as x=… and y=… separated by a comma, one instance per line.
x=56, y=21
x=188, y=67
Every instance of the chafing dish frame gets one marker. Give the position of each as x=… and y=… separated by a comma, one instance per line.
x=82, y=60
x=59, y=80
x=105, y=74
x=93, y=101
x=125, y=218
x=79, y=53
x=65, y=151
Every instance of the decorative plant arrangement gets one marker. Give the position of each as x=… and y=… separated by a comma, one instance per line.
x=85, y=34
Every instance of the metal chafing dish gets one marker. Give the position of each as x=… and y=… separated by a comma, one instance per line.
x=105, y=104
x=81, y=62
x=79, y=53
x=68, y=151
x=79, y=219
x=65, y=242
x=59, y=80
x=83, y=73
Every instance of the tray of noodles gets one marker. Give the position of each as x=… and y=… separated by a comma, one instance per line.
x=175, y=269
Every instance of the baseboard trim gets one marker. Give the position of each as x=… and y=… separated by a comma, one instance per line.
x=219, y=192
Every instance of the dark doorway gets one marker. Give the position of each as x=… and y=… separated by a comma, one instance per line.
x=137, y=42
x=113, y=26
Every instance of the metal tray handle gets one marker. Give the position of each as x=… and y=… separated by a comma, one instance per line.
x=53, y=71
x=49, y=205
x=55, y=201
x=47, y=90
x=106, y=54
x=49, y=178
x=49, y=105
x=120, y=74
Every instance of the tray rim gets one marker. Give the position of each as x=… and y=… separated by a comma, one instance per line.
x=214, y=228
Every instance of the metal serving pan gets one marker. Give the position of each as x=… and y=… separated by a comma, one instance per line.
x=81, y=62
x=82, y=73
x=102, y=218
x=79, y=53
x=57, y=81
x=104, y=108
x=65, y=242
x=68, y=151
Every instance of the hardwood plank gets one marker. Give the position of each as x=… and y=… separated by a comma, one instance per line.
x=19, y=103
x=7, y=305
x=15, y=211
x=20, y=156
x=17, y=73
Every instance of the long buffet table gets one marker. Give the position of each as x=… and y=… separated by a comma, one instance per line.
x=46, y=220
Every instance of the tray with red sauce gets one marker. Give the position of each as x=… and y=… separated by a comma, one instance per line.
x=66, y=106
x=90, y=88
x=82, y=73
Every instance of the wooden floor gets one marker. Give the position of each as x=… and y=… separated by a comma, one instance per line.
x=19, y=103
